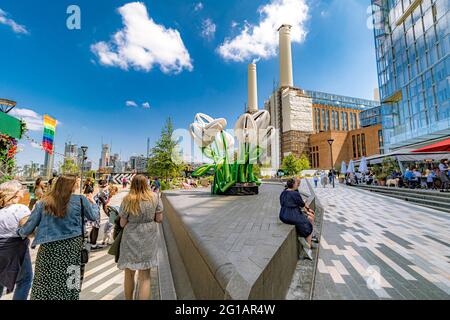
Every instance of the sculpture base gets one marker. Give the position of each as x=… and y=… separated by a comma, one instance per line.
x=242, y=189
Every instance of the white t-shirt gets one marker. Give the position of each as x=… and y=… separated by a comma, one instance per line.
x=9, y=219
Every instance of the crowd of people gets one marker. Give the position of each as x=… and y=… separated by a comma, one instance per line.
x=414, y=177
x=56, y=220
x=324, y=178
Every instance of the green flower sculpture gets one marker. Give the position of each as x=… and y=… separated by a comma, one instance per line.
x=253, y=133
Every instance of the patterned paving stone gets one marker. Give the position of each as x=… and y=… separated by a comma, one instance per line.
x=375, y=248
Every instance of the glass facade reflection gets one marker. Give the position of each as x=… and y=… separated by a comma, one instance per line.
x=412, y=49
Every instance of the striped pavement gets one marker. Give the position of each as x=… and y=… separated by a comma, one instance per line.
x=375, y=247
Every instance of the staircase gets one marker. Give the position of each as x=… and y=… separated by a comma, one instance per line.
x=430, y=199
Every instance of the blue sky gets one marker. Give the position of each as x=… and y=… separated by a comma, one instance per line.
x=194, y=59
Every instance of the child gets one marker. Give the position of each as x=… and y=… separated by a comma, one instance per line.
x=316, y=180
x=111, y=213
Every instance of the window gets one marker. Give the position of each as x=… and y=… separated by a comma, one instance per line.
x=332, y=120
x=337, y=121
x=354, y=146
x=363, y=145
x=315, y=157
x=358, y=142
x=323, y=127
x=318, y=120
x=351, y=121
x=380, y=141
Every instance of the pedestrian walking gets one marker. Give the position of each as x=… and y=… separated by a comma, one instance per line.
x=140, y=211
x=124, y=182
x=101, y=199
x=323, y=179
x=58, y=221
x=16, y=273
x=109, y=224
x=316, y=180
x=443, y=174
x=156, y=185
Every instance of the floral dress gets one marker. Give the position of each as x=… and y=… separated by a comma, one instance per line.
x=140, y=238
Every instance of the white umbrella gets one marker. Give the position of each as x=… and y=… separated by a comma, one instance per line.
x=351, y=167
x=363, y=166
x=343, y=167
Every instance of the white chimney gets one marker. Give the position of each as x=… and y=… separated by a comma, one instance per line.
x=252, y=89
x=286, y=79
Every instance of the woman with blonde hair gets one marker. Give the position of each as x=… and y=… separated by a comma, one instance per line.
x=16, y=272
x=59, y=221
x=140, y=210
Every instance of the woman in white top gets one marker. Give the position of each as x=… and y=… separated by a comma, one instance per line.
x=15, y=265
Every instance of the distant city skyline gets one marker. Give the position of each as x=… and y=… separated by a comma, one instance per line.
x=95, y=88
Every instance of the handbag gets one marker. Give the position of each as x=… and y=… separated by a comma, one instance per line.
x=85, y=250
x=158, y=215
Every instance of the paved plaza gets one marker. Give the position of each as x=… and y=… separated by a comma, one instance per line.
x=375, y=247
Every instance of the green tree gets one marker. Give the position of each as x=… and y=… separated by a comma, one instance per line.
x=292, y=165
x=304, y=163
x=69, y=167
x=161, y=162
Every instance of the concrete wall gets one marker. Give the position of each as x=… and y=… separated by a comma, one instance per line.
x=203, y=280
x=213, y=276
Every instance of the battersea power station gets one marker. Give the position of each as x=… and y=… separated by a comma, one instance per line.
x=306, y=120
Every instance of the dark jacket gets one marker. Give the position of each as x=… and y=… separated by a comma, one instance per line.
x=12, y=254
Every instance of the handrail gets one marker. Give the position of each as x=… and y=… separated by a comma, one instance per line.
x=315, y=204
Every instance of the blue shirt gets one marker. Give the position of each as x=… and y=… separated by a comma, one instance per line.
x=50, y=228
x=409, y=175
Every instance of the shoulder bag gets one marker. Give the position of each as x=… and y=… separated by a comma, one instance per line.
x=85, y=250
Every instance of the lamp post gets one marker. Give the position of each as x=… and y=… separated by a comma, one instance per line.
x=84, y=150
x=330, y=142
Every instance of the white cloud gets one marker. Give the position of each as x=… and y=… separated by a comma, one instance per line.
x=208, y=29
x=198, y=6
x=17, y=28
x=130, y=103
x=234, y=24
x=261, y=40
x=142, y=44
x=146, y=105
x=34, y=121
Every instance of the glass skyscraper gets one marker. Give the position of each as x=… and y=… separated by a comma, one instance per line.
x=412, y=50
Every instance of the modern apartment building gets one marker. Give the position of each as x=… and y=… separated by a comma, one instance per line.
x=412, y=50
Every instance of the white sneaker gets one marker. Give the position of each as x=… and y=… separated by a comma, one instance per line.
x=308, y=254
x=304, y=243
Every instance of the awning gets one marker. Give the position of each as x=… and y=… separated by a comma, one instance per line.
x=408, y=157
x=441, y=146
x=10, y=126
